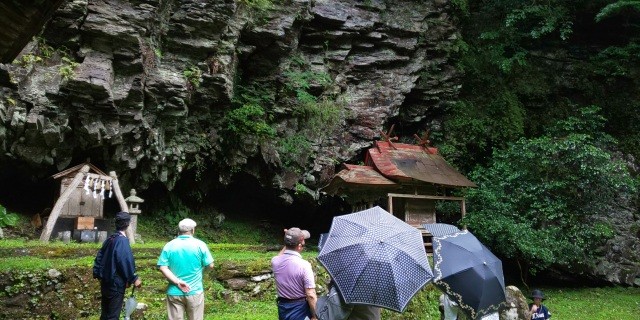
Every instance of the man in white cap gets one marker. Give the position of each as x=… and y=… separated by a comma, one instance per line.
x=295, y=282
x=182, y=262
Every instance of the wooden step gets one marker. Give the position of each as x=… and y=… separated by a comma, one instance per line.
x=426, y=238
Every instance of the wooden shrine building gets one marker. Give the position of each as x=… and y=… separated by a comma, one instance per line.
x=79, y=208
x=406, y=179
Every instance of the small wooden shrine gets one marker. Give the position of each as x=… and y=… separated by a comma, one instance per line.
x=407, y=180
x=83, y=189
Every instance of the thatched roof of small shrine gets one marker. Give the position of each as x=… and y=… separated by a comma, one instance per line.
x=74, y=169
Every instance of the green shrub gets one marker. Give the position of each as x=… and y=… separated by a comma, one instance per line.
x=295, y=149
x=7, y=219
x=67, y=68
x=538, y=200
x=193, y=75
x=248, y=120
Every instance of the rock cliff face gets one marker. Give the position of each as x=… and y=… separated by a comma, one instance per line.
x=283, y=91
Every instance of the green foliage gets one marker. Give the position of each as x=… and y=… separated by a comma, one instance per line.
x=535, y=53
x=507, y=30
x=541, y=20
x=320, y=115
x=256, y=93
x=66, y=70
x=39, y=54
x=301, y=81
x=424, y=305
x=295, y=149
x=617, y=61
x=44, y=52
x=258, y=5
x=193, y=75
x=248, y=120
x=461, y=5
x=161, y=223
x=618, y=8
x=300, y=189
x=317, y=120
x=166, y=214
x=28, y=60
x=538, y=200
x=259, y=10
x=7, y=219
x=473, y=130
x=317, y=116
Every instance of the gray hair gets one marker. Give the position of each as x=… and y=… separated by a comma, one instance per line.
x=186, y=225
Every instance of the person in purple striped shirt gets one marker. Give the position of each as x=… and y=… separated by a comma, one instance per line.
x=295, y=282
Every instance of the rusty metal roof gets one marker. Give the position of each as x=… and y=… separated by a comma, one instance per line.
x=404, y=163
x=20, y=20
x=361, y=176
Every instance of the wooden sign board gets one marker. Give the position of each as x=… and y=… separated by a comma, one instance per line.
x=85, y=223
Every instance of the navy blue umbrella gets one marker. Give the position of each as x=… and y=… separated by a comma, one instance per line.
x=375, y=258
x=468, y=273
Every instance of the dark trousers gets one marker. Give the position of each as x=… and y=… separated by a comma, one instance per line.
x=111, y=302
x=296, y=310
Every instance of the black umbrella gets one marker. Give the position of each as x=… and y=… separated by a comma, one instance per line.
x=469, y=273
x=376, y=259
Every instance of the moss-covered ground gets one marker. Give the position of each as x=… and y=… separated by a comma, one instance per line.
x=27, y=291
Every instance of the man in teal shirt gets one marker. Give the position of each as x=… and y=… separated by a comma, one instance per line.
x=182, y=262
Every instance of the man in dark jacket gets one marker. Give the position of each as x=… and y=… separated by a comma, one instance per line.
x=115, y=267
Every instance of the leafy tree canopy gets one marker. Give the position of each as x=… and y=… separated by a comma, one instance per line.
x=537, y=199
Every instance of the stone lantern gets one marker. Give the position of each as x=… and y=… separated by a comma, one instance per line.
x=133, y=202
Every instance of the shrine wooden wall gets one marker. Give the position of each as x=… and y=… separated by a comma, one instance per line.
x=80, y=203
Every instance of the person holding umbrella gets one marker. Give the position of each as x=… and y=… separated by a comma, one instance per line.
x=115, y=267
x=333, y=307
x=295, y=282
x=538, y=310
x=375, y=259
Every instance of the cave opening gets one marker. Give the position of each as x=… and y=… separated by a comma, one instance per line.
x=245, y=199
x=25, y=191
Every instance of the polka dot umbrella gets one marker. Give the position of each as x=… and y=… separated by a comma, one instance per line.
x=376, y=259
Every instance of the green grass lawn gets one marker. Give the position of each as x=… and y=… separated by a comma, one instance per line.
x=565, y=303
x=593, y=303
